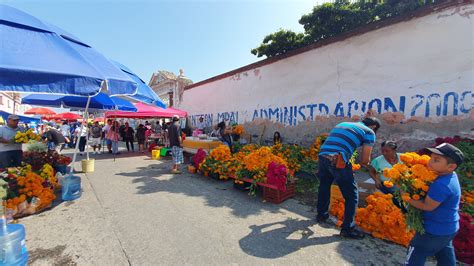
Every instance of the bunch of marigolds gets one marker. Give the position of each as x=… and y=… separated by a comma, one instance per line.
x=313, y=150
x=413, y=178
x=380, y=217
x=238, y=130
x=219, y=161
x=258, y=161
x=292, y=154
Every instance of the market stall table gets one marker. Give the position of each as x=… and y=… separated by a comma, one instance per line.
x=192, y=144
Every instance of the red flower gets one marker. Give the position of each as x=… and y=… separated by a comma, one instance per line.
x=276, y=175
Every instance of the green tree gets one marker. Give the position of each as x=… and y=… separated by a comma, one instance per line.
x=331, y=19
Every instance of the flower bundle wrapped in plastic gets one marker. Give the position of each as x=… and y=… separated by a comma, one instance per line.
x=413, y=178
x=25, y=137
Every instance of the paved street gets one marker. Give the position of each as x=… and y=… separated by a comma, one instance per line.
x=133, y=211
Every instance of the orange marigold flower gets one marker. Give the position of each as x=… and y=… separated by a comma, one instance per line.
x=416, y=197
x=388, y=184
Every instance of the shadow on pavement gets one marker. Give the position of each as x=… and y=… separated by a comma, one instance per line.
x=278, y=239
x=156, y=178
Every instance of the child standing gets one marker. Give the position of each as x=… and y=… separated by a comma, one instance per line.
x=440, y=209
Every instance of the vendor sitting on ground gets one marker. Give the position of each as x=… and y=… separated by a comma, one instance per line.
x=224, y=134
x=10, y=152
x=389, y=158
x=276, y=138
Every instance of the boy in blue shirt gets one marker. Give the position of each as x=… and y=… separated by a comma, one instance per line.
x=440, y=209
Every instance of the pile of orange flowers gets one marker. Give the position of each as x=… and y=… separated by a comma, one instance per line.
x=218, y=162
x=380, y=217
x=292, y=154
x=259, y=159
x=254, y=164
x=238, y=130
x=221, y=153
x=413, y=178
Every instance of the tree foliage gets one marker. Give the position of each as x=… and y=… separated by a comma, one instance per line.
x=331, y=19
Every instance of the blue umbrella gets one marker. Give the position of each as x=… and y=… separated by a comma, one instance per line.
x=101, y=101
x=144, y=93
x=38, y=57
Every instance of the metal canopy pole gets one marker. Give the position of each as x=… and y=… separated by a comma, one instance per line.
x=79, y=137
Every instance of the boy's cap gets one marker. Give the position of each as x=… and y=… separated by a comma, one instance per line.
x=450, y=151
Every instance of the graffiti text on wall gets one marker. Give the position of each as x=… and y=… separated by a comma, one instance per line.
x=431, y=105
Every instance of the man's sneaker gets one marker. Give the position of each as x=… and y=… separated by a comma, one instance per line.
x=81, y=153
x=98, y=152
x=353, y=233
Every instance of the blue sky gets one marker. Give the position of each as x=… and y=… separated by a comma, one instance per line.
x=205, y=38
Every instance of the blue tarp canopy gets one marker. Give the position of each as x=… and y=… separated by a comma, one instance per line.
x=101, y=101
x=144, y=93
x=24, y=119
x=38, y=57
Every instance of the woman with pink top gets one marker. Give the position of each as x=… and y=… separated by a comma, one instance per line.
x=113, y=135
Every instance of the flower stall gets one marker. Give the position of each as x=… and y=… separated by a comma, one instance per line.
x=29, y=191
x=31, y=187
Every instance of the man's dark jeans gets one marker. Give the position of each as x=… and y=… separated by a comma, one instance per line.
x=10, y=158
x=344, y=178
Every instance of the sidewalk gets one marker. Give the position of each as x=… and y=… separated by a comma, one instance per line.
x=133, y=211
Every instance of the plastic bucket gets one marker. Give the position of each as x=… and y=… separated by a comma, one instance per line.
x=163, y=152
x=88, y=166
x=155, y=154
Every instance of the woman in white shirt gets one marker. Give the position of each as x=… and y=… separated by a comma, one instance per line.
x=82, y=136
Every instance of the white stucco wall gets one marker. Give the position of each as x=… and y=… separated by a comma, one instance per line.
x=421, y=67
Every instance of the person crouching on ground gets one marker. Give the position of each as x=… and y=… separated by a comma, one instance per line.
x=175, y=139
x=334, y=165
x=440, y=210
